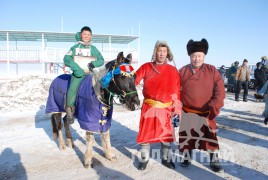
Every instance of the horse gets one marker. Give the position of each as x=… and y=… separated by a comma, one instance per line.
x=94, y=104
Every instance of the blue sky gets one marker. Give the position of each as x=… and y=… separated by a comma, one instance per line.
x=235, y=29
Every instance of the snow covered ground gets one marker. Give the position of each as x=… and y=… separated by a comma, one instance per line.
x=28, y=151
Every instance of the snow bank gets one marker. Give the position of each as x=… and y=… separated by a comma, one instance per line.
x=24, y=93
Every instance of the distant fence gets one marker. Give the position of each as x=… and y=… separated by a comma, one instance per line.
x=35, y=54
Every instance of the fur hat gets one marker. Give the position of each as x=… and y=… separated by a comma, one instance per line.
x=236, y=63
x=264, y=58
x=197, y=46
x=162, y=44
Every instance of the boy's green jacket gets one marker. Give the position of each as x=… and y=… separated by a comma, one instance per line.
x=69, y=57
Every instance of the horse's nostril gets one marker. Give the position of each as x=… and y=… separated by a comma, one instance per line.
x=131, y=105
x=132, y=102
x=132, y=108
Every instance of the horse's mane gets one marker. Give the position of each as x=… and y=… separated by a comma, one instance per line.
x=98, y=73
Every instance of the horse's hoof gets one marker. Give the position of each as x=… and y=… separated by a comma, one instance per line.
x=114, y=158
x=62, y=147
x=88, y=165
x=55, y=136
x=111, y=157
x=70, y=143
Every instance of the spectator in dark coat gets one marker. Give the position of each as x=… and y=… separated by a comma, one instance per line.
x=260, y=75
x=231, y=77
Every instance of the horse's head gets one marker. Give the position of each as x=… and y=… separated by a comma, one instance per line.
x=121, y=80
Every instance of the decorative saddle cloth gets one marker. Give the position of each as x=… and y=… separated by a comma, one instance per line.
x=92, y=114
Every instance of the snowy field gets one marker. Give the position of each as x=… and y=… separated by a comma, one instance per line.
x=28, y=151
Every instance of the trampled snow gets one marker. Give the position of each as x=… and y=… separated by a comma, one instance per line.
x=28, y=151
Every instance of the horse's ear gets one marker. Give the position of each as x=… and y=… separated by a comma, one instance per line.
x=129, y=58
x=120, y=58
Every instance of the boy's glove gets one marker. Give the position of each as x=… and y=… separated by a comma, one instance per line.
x=90, y=66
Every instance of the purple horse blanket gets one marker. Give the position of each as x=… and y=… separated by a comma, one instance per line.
x=92, y=114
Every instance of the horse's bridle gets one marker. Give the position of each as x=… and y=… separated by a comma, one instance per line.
x=124, y=94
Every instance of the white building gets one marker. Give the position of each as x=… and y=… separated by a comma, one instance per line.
x=49, y=48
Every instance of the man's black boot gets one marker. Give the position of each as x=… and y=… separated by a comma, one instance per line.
x=265, y=121
x=214, y=163
x=142, y=164
x=186, y=159
x=168, y=163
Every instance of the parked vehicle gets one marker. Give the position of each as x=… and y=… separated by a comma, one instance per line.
x=226, y=75
x=252, y=83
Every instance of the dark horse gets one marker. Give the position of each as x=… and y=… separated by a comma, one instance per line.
x=94, y=103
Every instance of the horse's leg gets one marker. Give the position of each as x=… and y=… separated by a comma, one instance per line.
x=106, y=145
x=69, y=138
x=54, y=127
x=89, y=152
x=57, y=132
